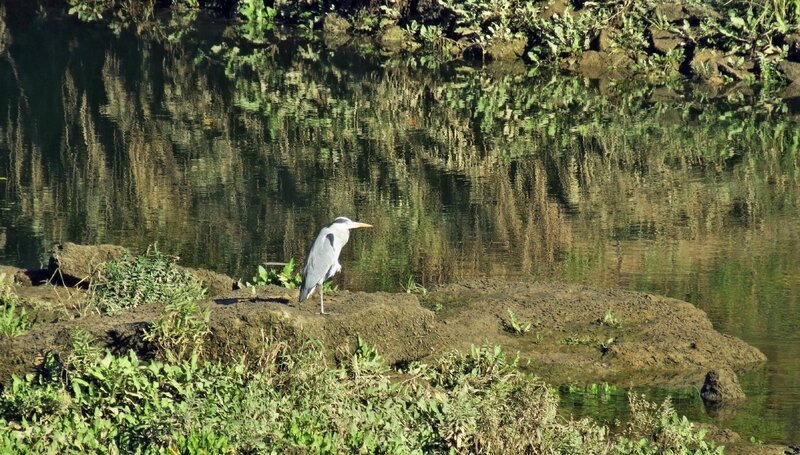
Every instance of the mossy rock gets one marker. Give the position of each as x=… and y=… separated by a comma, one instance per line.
x=671, y=12
x=665, y=41
x=790, y=69
x=507, y=50
x=334, y=24
x=594, y=64
x=721, y=385
x=396, y=39
x=214, y=282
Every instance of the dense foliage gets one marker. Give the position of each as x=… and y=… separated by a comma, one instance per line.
x=289, y=399
x=138, y=280
x=720, y=41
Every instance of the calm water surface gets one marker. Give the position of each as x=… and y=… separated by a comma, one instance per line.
x=230, y=157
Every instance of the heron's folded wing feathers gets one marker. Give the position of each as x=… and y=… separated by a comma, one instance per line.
x=321, y=257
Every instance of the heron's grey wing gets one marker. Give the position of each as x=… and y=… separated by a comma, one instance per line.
x=321, y=257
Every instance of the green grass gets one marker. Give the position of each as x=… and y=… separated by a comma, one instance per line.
x=291, y=399
x=139, y=280
x=412, y=287
x=14, y=320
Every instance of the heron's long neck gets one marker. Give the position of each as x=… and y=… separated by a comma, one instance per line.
x=344, y=236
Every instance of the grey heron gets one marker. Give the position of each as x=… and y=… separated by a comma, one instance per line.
x=322, y=261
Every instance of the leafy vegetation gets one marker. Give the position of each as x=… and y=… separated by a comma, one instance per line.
x=752, y=36
x=412, y=287
x=257, y=19
x=286, y=277
x=149, y=278
x=180, y=330
x=291, y=399
x=610, y=320
x=14, y=320
x=516, y=326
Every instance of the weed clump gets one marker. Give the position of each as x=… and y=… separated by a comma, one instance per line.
x=515, y=325
x=14, y=320
x=150, y=278
x=287, y=277
x=181, y=329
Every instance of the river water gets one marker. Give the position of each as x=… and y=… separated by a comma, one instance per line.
x=230, y=156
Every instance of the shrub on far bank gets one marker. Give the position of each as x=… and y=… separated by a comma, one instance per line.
x=719, y=41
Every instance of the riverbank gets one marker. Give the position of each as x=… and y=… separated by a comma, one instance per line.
x=562, y=333
x=740, y=44
x=569, y=333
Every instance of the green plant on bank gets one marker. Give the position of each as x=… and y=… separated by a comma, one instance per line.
x=551, y=32
x=181, y=330
x=672, y=433
x=293, y=400
x=14, y=319
x=515, y=325
x=605, y=346
x=610, y=320
x=84, y=354
x=257, y=18
x=585, y=340
x=150, y=278
x=286, y=277
x=122, y=13
x=88, y=11
x=412, y=287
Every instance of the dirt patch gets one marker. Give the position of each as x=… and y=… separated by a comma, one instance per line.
x=647, y=340
x=395, y=324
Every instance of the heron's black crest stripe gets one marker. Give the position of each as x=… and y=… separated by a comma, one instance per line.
x=341, y=219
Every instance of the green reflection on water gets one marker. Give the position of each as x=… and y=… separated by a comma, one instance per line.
x=239, y=158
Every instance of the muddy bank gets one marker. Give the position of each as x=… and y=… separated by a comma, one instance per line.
x=577, y=333
x=589, y=334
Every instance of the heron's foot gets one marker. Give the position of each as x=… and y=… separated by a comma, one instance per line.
x=325, y=313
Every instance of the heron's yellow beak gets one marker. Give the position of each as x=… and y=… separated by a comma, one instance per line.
x=357, y=224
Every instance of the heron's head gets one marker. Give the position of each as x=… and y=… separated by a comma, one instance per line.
x=347, y=223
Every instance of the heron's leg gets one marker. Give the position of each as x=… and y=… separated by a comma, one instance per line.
x=321, y=302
